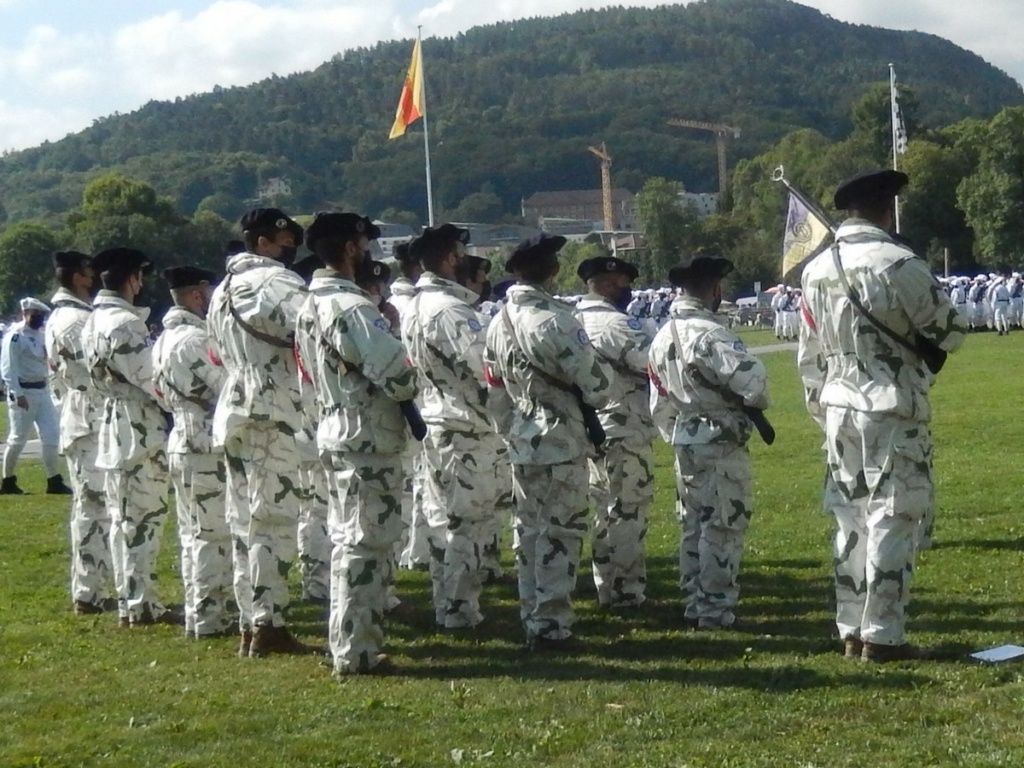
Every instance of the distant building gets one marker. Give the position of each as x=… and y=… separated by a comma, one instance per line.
x=581, y=205
x=393, y=234
x=705, y=203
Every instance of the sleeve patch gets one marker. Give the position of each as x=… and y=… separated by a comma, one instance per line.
x=474, y=325
x=635, y=324
x=739, y=346
x=582, y=338
x=381, y=323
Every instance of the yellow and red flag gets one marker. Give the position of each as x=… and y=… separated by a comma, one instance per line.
x=410, y=106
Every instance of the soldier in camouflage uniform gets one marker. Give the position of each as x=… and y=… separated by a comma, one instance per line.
x=132, y=432
x=622, y=474
x=869, y=392
x=464, y=484
x=704, y=380
x=360, y=374
x=91, y=564
x=540, y=364
x=314, y=541
x=413, y=546
x=188, y=384
x=257, y=422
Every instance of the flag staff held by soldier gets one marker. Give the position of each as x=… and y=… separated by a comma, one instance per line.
x=877, y=327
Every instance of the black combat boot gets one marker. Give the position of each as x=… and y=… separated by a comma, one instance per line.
x=55, y=486
x=10, y=486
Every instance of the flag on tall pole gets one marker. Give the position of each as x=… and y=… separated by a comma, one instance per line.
x=412, y=106
x=899, y=131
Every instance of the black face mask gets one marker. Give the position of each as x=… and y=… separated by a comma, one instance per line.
x=625, y=296
x=287, y=257
x=35, y=322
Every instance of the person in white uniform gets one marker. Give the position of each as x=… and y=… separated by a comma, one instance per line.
x=24, y=371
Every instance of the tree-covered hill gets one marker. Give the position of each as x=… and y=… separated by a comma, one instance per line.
x=513, y=107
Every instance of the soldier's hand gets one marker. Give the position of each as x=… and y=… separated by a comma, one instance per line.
x=22, y=402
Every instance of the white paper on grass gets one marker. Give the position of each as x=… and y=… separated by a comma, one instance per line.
x=1000, y=653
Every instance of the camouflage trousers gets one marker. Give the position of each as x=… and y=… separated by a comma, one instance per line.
x=137, y=502
x=550, y=525
x=879, y=487
x=714, y=504
x=412, y=548
x=206, y=563
x=622, y=489
x=91, y=563
x=465, y=494
x=314, y=540
x=490, y=561
x=263, y=516
x=365, y=521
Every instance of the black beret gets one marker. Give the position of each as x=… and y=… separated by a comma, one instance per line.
x=498, y=291
x=336, y=224
x=72, y=260
x=870, y=187
x=185, y=277
x=445, y=236
x=403, y=253
x=476, y=263
x=601, y=265
x=271, y=219
x=374, y=271
x=541, y=244
x=120, y=261
x=700, y=266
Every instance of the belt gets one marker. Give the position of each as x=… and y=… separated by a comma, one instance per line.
x=32, y=384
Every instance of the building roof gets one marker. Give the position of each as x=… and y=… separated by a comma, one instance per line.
x=575, y=197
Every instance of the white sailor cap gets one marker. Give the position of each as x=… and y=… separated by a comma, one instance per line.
x=28, y=304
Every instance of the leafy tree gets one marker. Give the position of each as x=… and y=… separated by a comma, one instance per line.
x=670, y=227
x=570, y=258
x=26, y=262
x=993, y=196
x=872, y=120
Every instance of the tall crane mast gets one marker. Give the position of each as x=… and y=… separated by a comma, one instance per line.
x=606, y=185
x=722, y=133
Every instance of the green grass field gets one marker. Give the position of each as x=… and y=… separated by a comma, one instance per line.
x=641, y=691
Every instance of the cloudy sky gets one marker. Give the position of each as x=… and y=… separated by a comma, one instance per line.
x=64, y=63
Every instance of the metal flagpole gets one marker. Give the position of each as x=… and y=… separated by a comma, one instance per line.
x=426, y=134
x=895, y=133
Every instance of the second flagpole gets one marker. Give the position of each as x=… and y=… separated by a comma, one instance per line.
x=426, y=135
x=895, y=134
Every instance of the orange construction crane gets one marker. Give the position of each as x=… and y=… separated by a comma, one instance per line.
x=722, y=133
x=606, y=185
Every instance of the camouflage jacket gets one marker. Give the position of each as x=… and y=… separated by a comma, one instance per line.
x=402, y=292
x=118, y=355
x=69, y=377
x=844, y=360
x=262, y=379
x=541, y=420
x=186, y=380
x=360, y=371
x=445, y=340
x=622, y=342
x=701, y=384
